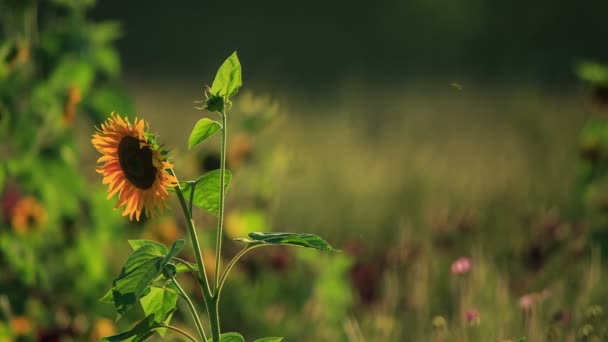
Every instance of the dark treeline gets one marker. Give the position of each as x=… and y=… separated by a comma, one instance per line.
x=313, y=43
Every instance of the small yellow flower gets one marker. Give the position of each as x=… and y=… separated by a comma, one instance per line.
x=27, y=215
x=21, y=325
x=132, y=166
x=164, y=230
x=102, y=328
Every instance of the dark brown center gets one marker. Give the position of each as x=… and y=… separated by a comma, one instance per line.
x=136, y=163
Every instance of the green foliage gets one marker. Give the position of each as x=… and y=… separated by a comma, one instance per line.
x=232, y=337
x=160, y=302
x=138, y=333
x=139, y=272
x=592, y=72
x=203, y=129
x=207, y=189
x=225, y=85
x=228, y=78
x=269, y=339
x=295, y=239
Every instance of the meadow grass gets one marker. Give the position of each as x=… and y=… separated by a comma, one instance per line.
x=432, y=172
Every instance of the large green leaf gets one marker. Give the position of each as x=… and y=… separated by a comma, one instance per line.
x=140, y=332
x=141, y=269
x=231, y=337
x=207, y=194
x=137, y=244
x=160, y=302
x=203, y=129
x=303, y=240
x=269, y=339
x=228, y=78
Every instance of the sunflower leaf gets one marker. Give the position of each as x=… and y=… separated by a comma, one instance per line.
x=140, y=270
x=203, y=129
x=231, y=337
x=228, y=78
x=295, y=239
x=139, y=332
x=207, y=190
x=160, y=302
x=137, y=244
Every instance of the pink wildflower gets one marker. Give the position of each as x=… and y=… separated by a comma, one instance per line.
x=461, y=266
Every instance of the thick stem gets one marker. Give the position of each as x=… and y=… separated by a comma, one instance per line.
x=202, y=274
x=214, y=319
x=197, y=320
x=210, y=303
x=220, y=220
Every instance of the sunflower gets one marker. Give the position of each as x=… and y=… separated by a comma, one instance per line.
x=27, y=215
x=133, y=166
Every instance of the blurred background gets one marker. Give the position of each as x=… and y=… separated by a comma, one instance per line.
x=457, y=154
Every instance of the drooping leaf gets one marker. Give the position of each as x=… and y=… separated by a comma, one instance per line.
x=304, y=240
x=160, y=302
x=138, y=333
x=174, y=249
x=108, y=297
x=203, y=129
x=207, y=194
x=269, y=339
x=231, y=337
x=181, y=268
x=228, y=78
x=137, y=244
x=141, y=269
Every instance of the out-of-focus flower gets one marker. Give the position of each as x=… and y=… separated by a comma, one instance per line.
x=472, y=317
x=239, y=151
x=366, y=276
x=21, y=325
x=71, y=103
x=561, y=317
x=10, y=197
x=461, y=266
x=528, y=301
x=28, y=215
x=280, y=257
x=439, y=323
x=164, y=230
x=101, y=328
x=209, y=261
x=593, y=312
x=133, y=166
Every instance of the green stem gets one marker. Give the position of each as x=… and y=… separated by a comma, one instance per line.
x=230, y=266
x=210, y=303
x=197, y=320
x=170, y=327
x=187, y=264
x=220, y=220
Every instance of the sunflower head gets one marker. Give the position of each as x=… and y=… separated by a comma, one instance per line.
x=133, y=166
x=28, y=215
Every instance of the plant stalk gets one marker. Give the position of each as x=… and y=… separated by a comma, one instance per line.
x=197, y=320
x=220, y=220
x=210, y=303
